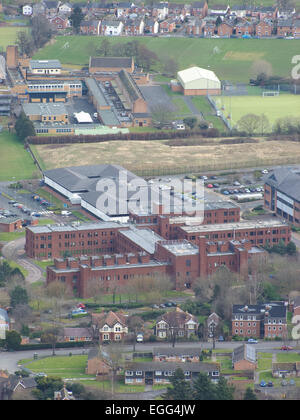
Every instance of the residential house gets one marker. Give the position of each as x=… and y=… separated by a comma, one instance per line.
x=212, y=323
x=167, y=26
x=267, y=12
x=123, y=9
x=287, y=13
x=90, y=27
x=111, y=326
x=263, y=320
x=77, y=334
x=199, y=9
x=296, y=306
x=160, y=10
x=209, y=29
x=51, y=7
x=22, y=388
x=225, y=29
x=97, y=363
x=244, y=358
x=296, y=28
x=59, y=22
x=284, y=370
x=134, y=27
x=4, y=323
x=195, y=27
x=176, y=324
x=111, y=27
x=218, y=10
x=243, y=28
x=239, y=11
x=178, y=354
x=65, y=8
x=64, y=394
x=284, y=28
x=151, y=26
x=27, y=10
x=158, y=373
x=264, y=28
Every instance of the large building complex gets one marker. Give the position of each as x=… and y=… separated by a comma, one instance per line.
x=282, y=194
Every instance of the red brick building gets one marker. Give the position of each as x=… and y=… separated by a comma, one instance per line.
x=111, y=326
x=10, y=224
x=264, y=28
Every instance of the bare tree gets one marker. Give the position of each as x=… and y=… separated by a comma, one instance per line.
x=134, y=324
x=250, y=123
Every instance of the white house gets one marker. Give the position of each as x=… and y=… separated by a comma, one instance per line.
x=111, y=27
x=27, y=10
x=4, y=323
x=65, y=8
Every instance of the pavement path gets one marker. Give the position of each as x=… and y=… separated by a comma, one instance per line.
x=14, y=251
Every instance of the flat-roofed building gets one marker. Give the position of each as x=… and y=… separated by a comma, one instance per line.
x=46, y=67
x=53, y=90
x=46, y=112
x=199, y=81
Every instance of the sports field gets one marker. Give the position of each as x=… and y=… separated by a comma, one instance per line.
x=8, y=35
x=230, y=59
x=15, y=162
x=273, y=107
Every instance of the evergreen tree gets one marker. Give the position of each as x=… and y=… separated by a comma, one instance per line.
x=76, y=18
x=291, y=248
x=249, y=395
x=180, y=389
x=24, y=127
x=18, y=296
x=223, y=390
x=203, y=388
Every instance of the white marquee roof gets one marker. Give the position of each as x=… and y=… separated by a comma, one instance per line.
x=195, y=73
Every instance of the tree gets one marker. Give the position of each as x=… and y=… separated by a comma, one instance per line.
x=224, y=391
x=134, y=324
x=76, y=18
x=190, y=122
x=179, y=388
x=250, y=123
x=41, y=31
x=13, y=340
x=170, y=66
x=261, y=69
x=291, y=248
x=203, y=388
x=264, y=124
x=114, y=358
x=24, y=43
x=24, y=127
x=105, y=48
x=249, y=395
x=161, y=115
x=50, y=336
x=18, y=296
x=46, y=386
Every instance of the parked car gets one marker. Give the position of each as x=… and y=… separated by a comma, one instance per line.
x=209, y=186
x=286, y=348
x=270, y=384
x=155, y=306
x=292, y=382
x=140, y=337
x=225, y=192
x=252, y=341
x=263, y=384
x=216, y=185
x=265, y=171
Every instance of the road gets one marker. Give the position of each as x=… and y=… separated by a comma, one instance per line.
x=9, y=360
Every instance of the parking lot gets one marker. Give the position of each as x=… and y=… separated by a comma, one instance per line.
x=157, y=96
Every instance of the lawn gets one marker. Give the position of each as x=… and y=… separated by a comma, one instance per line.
x=273, y=107
x=8, y=35
x=15, y=162
x=230, y=59
x=65, y=367
x=11, y=236
x=288, y=357
x=264, y=361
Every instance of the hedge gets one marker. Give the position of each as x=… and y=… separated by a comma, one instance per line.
x=41, y=346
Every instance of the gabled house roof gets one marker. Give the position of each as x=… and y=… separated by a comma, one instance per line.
x=244, y=352
x=177, y=318
x=111, y=318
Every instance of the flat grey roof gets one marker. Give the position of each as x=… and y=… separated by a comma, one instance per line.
x=96, y=91
x=181, y=247
x=70, y=228
x=45, y=64
x=144, y=238
x=234, y=226
x=44, y=109
x=109, y=62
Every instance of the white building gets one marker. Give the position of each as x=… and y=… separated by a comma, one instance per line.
x=27, y=10
x=199, y=81
x=111, y=28
x=45, y=67
x=4, y=323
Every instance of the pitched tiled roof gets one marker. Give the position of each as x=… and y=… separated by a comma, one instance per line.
x=110, y=318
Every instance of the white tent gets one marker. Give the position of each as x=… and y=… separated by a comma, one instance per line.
x=83, y=117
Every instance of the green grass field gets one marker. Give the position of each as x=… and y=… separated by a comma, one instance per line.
x=273, y=107
x=15, y=162
x=8, y=35
x=231, y=60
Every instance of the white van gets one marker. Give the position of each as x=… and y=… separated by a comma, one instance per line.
x=66, y=213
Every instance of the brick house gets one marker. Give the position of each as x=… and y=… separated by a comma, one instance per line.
x=244, y=28
x=195, y=27
x=111, y=326
x=59, y=23
x=90, y=27
x=167, y=26
x=264, y=28
x=155, y=373
x=199, y=9
x=244, y=358
x=261, y=321
x=176, y=324
x=209, y=29
x=296, y=28
x=77, y=334
x=96, y=363
x=284, y=28
x=10, y=224
x=151, y=26
x=134, y=27
x=225, y=29
x=176, y=354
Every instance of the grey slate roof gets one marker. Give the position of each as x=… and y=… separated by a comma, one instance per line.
x=178, y=351
x=172, y=366
x=45, y=64
x=285, y=181
x=109, y=62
